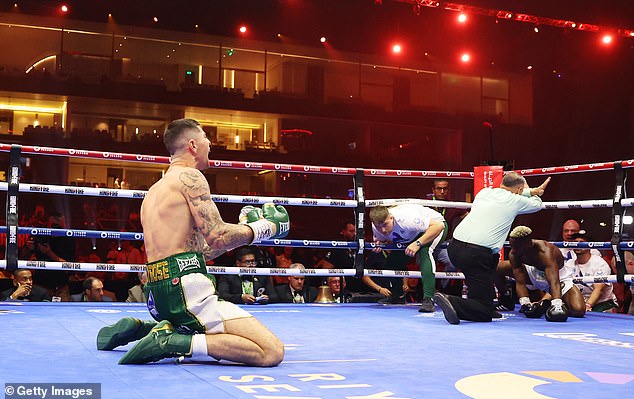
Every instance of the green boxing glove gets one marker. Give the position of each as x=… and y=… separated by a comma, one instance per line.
x=250, y=214
x=274, y=223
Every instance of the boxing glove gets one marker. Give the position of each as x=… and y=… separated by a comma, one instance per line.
x=557, y=312
x=269, y=222
x=279, y=216
x=535, y=310
x=250, y=213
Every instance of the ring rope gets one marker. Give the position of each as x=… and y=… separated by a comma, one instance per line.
x=138, y=236
x=116, y=156
x=297, y=201
x=590, y=167
x=267, y=271
x=417, y=173
x=139, y=194
x=433, y=203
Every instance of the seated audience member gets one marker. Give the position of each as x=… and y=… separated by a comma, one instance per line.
x=599, y=297
x=344, y=258
x=377, y=289
x=23, y=289
x=113, y=252
x=129, y=254
x=93, y=291
x=137, y=292
x=568, y=230
x=340, y=295
x=248, y=288
x=294, y=291
x=538, y=269
x=283, y=259
x=55, y=249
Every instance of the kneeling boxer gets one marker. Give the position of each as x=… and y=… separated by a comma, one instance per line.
x=538, y=265
x=182, y=228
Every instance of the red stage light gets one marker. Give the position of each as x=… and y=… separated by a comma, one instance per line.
x=243, y=29
x=607, y=39
x=64, y=8
x=462, y=18
x=465, y=57
x=323, y=39
x=396, y=48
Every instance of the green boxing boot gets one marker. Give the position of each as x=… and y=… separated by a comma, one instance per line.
x=120, y=333
x=162, y=342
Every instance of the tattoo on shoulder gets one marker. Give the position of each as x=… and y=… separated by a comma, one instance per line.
x=195, y=184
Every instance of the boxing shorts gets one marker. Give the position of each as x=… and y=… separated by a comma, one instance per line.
x=180, y=290
x=538, y=279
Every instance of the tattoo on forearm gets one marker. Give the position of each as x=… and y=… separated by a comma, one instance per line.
x=219, y=235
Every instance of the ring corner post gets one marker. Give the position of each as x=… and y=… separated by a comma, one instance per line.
x=359, y=217
x=617, y=221
x=13, y=188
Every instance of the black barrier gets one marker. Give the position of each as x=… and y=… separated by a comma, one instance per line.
x=13, y=188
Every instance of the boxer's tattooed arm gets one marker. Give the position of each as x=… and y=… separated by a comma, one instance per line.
x=211, y=254
x=219, y=236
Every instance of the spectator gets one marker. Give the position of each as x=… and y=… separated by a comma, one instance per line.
x=568, y=230
x=23, y=289
x=344, y=258
x=137, y=293
x=599, y=297
x=55, y=249
x=93, y=291
x=453, y=216
x=129, y=254
x=382, y=289
x=38, y=218
x=247, y=288
x=340, y=295
x=294, y=291
x=283, y=259
x=113, y=252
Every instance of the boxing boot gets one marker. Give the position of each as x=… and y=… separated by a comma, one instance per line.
x=162, y=342
x=122, y=332
x=557, y=312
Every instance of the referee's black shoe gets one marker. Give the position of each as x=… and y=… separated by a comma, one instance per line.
x=447, y=308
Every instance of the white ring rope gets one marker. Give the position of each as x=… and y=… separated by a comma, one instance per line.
x=433, y=203
x=140, y=194
x=268, y=271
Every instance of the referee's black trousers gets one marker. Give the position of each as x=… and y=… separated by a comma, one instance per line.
x=478, y=265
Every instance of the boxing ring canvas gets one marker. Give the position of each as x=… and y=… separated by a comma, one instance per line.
x=336, y=351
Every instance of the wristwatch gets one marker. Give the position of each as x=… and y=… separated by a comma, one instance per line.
x=418, y=243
